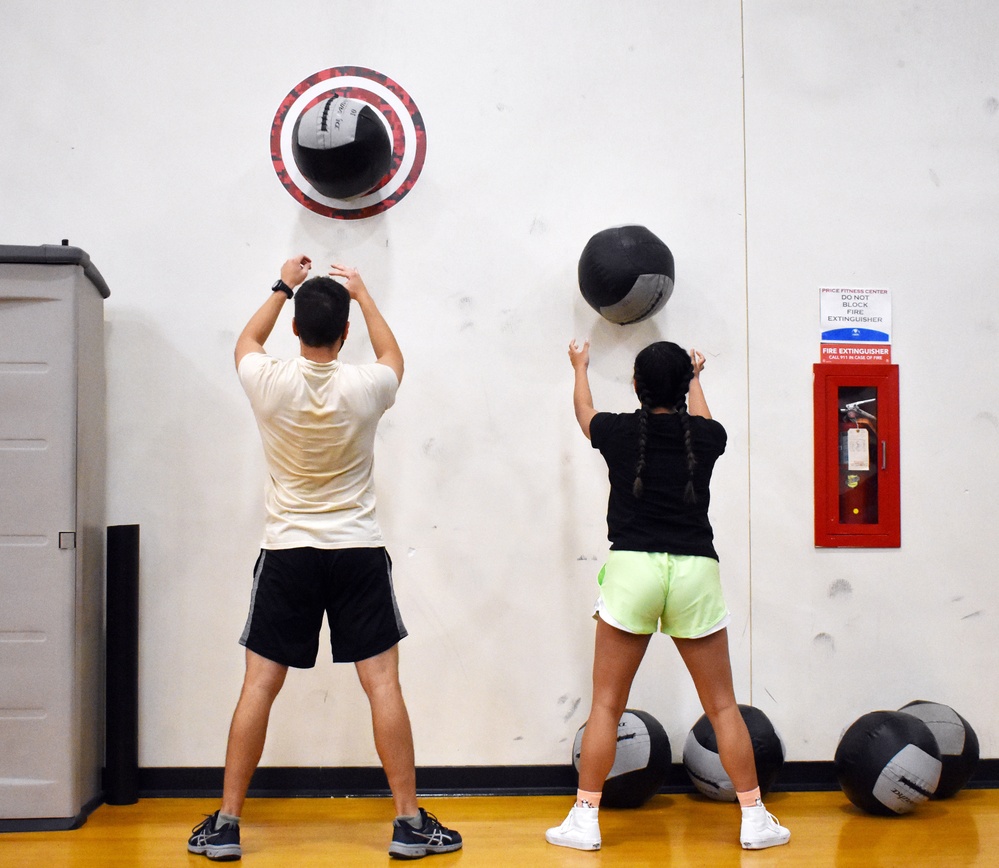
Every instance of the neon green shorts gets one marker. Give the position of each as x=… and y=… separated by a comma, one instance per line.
x=679, y=595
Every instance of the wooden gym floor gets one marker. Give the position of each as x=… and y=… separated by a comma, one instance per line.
x=670, y=830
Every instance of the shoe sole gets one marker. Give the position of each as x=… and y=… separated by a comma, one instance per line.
x=763, y=845
x=575, y=845
x=418, y=851
x=230, y=853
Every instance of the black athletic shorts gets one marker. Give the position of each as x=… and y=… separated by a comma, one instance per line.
x=292, y=588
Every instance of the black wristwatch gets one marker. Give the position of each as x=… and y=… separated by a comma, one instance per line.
x=281, y=286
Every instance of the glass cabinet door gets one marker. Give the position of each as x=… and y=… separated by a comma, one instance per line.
x=856, y=455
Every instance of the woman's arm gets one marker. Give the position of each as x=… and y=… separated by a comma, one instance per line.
x=582, y=400
x=696, y=405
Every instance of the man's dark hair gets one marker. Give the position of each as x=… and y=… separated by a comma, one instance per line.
x=322, y=305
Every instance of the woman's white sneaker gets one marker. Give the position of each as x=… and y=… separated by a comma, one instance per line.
x=580, y=830
x=760, y=829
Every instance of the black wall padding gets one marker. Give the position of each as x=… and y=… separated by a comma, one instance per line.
x=121, y=774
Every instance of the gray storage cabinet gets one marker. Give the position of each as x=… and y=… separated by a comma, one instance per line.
x=52, y=533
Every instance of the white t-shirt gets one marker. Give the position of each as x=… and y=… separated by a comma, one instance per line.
x=317, y=423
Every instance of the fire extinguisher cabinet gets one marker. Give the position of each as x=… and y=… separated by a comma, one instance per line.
x=52, y=536
x=857, y=478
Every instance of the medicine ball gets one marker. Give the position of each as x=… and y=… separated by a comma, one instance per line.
x=888, y=763
x=626, y=274
x=341, y=147
x=642, y=760
x=956, y=739
x=703, y=764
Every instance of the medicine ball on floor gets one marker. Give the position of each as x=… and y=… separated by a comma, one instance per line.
x=641, y=762
x=703, y=765
x=888, y=763
x=956, y=739
x=626, y=274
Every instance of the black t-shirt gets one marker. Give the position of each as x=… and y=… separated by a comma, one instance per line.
x=660, y=520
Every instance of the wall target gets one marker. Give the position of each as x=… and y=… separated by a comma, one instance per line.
x=391, y=105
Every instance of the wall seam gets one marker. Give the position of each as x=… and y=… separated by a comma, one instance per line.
x=749, y=430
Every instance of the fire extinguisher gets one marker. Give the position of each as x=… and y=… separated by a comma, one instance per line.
x=858, y=468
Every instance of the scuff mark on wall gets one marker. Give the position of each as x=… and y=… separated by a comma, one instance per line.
x=825, y=641
x=840, y=588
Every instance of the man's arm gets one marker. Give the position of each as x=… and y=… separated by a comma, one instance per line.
x=383, y=342
x=582, y=400
x=261, y=324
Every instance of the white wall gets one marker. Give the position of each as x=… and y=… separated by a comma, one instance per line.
x=868, y=157
x=873, y=154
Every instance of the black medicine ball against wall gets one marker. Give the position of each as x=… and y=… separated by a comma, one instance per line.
x=888, y=763
x=626, y=274
x=956, y=739
x=642, y=760
x=342, y=147
x=703, y=764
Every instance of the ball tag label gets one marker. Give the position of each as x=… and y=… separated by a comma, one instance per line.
x=330, y=124
x=341, y=122
x=908, y=779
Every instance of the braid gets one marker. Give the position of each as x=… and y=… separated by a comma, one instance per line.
x=643, y=432
x=663, y=372
x=689, y=495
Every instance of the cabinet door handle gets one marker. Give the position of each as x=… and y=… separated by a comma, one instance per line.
x=884, y=454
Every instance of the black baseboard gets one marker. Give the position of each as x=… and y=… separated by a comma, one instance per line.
x=301, y=782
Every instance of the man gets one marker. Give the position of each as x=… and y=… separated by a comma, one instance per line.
x=323, y=550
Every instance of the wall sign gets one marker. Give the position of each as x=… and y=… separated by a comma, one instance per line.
x=855, y=325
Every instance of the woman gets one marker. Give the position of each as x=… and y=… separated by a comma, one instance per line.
x=661, y=573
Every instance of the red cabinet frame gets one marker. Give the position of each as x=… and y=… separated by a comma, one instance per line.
x=857, y=493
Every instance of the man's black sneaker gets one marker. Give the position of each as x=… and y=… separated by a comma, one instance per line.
x=431, y=837
x=220, y=845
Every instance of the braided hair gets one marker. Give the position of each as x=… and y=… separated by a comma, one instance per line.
x=663, y=372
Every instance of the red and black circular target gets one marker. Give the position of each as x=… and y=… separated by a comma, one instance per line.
x=396, y=109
